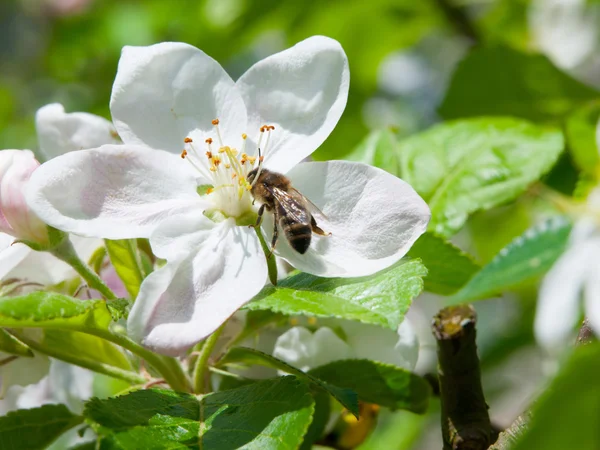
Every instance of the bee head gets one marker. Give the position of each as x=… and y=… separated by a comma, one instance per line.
x=252, y=175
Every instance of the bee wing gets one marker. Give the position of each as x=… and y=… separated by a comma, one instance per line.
x=310, y=204
x=293, y=205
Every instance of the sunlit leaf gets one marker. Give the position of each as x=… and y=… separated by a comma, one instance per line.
x=52, y=310
x=464, y=166
x=528, y=256
x=272, y=414
x=381, y=299
x=126, y=261
x=378, y=149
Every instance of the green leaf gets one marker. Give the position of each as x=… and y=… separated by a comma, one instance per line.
x=35, y=428
x=11, y=345
x=448, y=267
x=125, y=259
x=86, y=346
x=526, y=257
x=375, y=382
x=52, y=310
x=249, y=356
x=580, y=131
x=273, y=414
x=465, y=166
x=320, y=419
x=503, y=81
x=566, y=416
x=381, y=299
x=377, y=149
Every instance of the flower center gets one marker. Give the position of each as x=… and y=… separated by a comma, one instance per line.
x=227, y=169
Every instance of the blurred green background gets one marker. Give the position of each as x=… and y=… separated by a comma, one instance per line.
x=413, y=63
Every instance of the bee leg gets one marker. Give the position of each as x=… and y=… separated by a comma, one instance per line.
x=275, y=232
x=261, y=210
x=316, y=229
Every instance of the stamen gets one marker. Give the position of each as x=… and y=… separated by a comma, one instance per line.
x=188, y=140
x=244, y=136
x=183, y=154
x=209, y=155
x=216, y=124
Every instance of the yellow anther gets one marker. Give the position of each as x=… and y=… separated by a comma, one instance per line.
x=216, y=160
x=183, y=154
x=261, y=159
x=244, y=156
x=208, y=141
x=188, y=140
x=234, y=175
x=228, y=166
x=252, y=159
x=293, y=321
x=312, y=320
x=213, y=169
x=234, y=152
x=215, y=122
x=271, y=127
x=209, y=155
x=222, y=150
x=244, y=136
x=209, y=191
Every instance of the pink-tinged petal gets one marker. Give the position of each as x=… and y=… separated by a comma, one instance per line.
x=302, y=91
x=59, y=132
x=191, y=296
x=164, y=92
x=373, y=217
x=16, y=218
x=113, y=192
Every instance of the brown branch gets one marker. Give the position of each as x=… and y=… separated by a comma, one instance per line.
x=465, y=419
x=586, y=335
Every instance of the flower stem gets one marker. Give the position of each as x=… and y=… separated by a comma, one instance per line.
x=96, y=366
x=271, y=264
x=65, y=252
x=168, y=368
x=201, y=368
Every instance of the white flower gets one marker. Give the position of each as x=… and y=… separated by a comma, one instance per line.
x=169, y=95
x=59, y=132
x=575, y=273
x=305, y=350
x=16, y=219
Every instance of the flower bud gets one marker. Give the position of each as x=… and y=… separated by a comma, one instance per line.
x=16, y=219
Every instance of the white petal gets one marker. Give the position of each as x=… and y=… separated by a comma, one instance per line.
x=305, y=350
x=558, y=301
x=191, y=296
x=373, y=216
x=302, y=91
x=71, y=385
x=59, y=132
x=399, y=348
x=165, y=91
x=592, y=290
x=22, y=371
x=113, y=192
x=11, y=254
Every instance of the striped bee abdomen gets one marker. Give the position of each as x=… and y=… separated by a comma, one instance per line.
x=298, y=234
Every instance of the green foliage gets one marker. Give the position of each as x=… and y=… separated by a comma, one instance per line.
x=35, y=428
x=378, y=149
x=526, y=257
x=86, y=346
x=464, y=166
x=126, y=261
x=375, y=382
x=52, y=310
x=448, y=268
x=566, y=416
x=11, y=345
x=503, y=81
x=273, y=414
x=381, y=299
x=580, y=132
x=249, y=356
x=320, y=419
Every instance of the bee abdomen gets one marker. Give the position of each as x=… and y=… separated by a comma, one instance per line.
x=298, y=235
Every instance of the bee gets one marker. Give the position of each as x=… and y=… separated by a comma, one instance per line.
x=291, y=210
